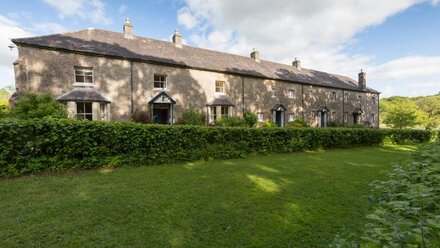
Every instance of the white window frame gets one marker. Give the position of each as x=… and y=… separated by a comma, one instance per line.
x=291, y=93
x=260, y=116
x=291, y=117
x=212, y=113
x=84, y=114
x=345, y=116
x=220, y=89
x=80, y=71
x=164, y=82
x=333, y=117
x=372, y=116
x=274, y=93
x=345, y=97
x=222, y=108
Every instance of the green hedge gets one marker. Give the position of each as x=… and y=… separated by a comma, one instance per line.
x=29, y=146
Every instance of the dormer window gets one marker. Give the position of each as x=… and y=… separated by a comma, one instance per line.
x=219, y=86
x=160, y=81
x=84, y=75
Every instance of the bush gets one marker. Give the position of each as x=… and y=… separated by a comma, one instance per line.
x=192, y=116
x=407, y=206
x=298, y=123
x=250, y=118
x=356, y=126
x=268, y=124
x=230, y=121
x=141, y=117
x=33, y=105
x=29, y=146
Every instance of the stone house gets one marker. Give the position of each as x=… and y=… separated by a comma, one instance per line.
x=104, y=75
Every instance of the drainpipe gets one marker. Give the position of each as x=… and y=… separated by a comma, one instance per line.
x=131, y=86
x=343, y=108
x=378, y=102
x=242, y=94
x=302, y=100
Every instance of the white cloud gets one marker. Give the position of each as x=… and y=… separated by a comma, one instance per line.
x=48, y=28
x=318, y=32
x=93, y=10
x=122, y=9
x=185, y=18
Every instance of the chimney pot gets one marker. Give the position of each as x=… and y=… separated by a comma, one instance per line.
x=255, y=55
x=297, y=63
x=128, y=29
x=362, y=82
x=177, y=39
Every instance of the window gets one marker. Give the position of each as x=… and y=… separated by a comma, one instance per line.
x=219, y=87
x=373, y=99
x=333, y=96
x=359, y=98
x=291, y=117
x=291, y=94
x=213, y=116
x=84, y=75
x=160, y=81
x=345, y=117
x=84, y=110
x=260, y=117
x=345, y=97
x=333, y=116
x=224, y=111
x=274, y=93
x=372, y=118
x=103, y=111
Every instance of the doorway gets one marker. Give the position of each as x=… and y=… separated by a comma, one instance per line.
x=161, y=113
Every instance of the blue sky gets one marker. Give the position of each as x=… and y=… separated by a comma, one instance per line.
x=395, y=41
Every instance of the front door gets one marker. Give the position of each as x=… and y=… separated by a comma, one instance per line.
x=356, y=118
x=278, y=119
x=161, y=113
x=324, y=119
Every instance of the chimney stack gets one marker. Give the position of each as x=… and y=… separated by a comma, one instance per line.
x=255, y=55
x=177, y=39
x=128, y=29
x=362, y=82
x=297, y=63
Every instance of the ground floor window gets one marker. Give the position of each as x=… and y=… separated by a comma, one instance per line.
x=224, y=111
x=333, y=116
x=345, y=117
x=291, y=117
x=260, y=117
x=213, y=115
x=372, y=118
x=84, y=110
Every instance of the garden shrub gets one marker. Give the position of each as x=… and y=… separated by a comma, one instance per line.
x=141, y=116
x=407, y=206
x=32, y=105
x=192, y=116
x=268, y=124
x=298, y=123
x=250, y=118
x=29, y=146
x=230, y=121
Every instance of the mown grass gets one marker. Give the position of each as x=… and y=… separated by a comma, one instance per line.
x=279, y=200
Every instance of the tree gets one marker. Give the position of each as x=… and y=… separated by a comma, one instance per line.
x=192, y=116
x=404, y=115
x=33, y=105
x=250, y=118
x=4, y=102
x=430, y=105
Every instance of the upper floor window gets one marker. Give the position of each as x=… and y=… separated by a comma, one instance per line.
x=291, y=94
x=359, y=98
x=345, y=97
x=373, y=99
x=160, y=81
x=219, y=87
x=333, y=96
x=274, y=93
x=83, y=75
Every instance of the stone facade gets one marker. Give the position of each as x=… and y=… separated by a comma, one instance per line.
x=129, y=86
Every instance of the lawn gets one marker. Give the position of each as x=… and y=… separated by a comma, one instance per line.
x=279, y=200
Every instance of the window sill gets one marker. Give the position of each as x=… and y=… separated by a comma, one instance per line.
x=160, y=89
x=84, y=84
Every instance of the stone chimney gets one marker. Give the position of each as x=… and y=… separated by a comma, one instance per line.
x=177, y=39
x=362, y=82
x=128, y=29
x=255, y=55
x=297, y=63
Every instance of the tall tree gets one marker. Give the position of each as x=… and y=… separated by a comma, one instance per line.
x=404, y=115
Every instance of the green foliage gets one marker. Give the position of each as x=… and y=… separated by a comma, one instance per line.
x=404, y=116
x=356, y=126
x=192, y=116
x=141, y=116
x=4, y=102
x=43, y=144
x=298, y=123
x=268, y=124
x=231, y=121
x=407, y=205
x=417, y=111
x=33, y=105
x=250, y=118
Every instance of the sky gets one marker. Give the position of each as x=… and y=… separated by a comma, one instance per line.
x=396, y=42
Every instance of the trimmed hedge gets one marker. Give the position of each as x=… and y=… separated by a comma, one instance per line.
x=29, y=146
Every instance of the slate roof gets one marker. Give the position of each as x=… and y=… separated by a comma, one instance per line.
x=220, y=101
x=83, y=94
x=114, y=44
